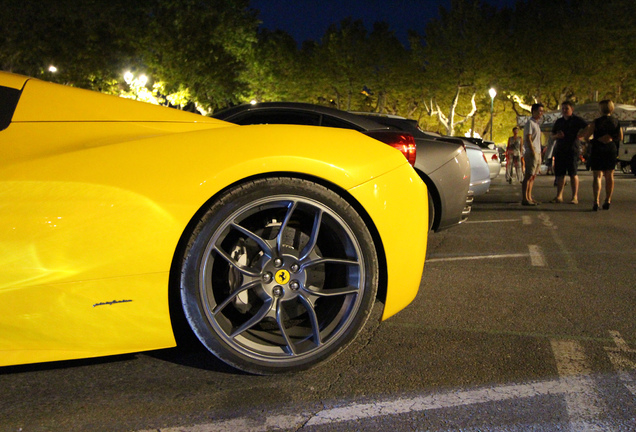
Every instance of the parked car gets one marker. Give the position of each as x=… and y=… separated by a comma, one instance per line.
x=443, y=166
x=502, y=155
x=479, y=167
x=427, y=162
x=123, y=219
x=627, y=150
x=491, y=153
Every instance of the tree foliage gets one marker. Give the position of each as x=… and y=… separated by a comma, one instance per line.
x=460, y=57
x=213, y=54
x=201, y=46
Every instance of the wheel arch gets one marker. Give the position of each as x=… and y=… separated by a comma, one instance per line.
x=181, y=329
x=436, y=205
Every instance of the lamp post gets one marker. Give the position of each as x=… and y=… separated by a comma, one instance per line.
x=492, y=92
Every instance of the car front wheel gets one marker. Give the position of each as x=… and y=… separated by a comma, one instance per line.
x=278, y=275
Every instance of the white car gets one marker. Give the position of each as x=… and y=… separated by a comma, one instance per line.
x=627, y=150
x=491, y=154
x=479, y=166
x=492, y=157
x=479, y=170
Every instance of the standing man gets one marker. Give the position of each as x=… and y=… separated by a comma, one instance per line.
x=567, y=150
x=532, y=154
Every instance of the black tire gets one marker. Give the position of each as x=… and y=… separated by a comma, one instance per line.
x=262, y=315
x=431, y=212
x=633, y=165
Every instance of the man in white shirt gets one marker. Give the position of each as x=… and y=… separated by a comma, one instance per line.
x=532, y=154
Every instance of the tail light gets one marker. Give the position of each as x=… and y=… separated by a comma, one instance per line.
x=495, y=158
x=402, y=141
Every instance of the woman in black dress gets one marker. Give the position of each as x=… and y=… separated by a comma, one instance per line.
x=607, y=137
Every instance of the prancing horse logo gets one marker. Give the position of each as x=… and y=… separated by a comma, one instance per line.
x=282, y=276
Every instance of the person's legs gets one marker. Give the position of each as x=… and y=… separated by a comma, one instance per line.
x=530, y=185
x=575, y=188
x=609, y=186
x=572, y=170
x=559, y=181
x=531, y=168
x=518, y=168
x=524, y=184
x=596, y=187
x=524, y=191
x=509, y=164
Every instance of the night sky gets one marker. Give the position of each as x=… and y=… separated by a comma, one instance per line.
x=309, y=19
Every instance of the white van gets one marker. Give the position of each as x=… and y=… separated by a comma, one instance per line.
x=627, y=150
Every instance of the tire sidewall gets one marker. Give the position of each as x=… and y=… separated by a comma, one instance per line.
x=223, y=208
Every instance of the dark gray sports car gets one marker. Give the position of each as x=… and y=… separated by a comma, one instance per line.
x=443, y=166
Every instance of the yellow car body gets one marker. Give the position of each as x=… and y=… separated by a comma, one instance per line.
x=96, y=192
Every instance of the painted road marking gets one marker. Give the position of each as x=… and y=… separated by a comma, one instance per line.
x=491, y=221
x=476, y=257
x=536, y=256
x=622, y=361
x=358, y=411
x=438, y=401
x=584, y=404
x=535, y=253
x=575, y=385
x=568, y=257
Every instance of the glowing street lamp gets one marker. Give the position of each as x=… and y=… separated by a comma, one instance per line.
x=492, y=92
x=52, y=69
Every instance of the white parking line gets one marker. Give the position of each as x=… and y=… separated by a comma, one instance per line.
x=476, y=257
x=357, y=411
x=491, y=221
x=620, y=356
x=621, y=344
x=438, y=401
x=536, y=256
x=584, y=404
x=526, y=220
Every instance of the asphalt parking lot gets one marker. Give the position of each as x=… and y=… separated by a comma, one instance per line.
x=524, y=321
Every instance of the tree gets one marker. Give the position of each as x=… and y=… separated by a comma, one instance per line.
x=393, y=73
x=459, y=56
x=188, y=46
x=343, y=61
x=86, y=44
x=201, y=46
x=273, y=69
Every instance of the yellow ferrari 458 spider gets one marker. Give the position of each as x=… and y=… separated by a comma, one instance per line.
x=120, y=218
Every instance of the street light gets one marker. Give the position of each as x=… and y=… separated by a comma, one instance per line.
x=492, y=92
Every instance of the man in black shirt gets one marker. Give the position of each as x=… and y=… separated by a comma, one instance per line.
x=567, y=150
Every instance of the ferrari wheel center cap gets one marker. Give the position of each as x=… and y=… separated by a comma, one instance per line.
x=282, y=276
